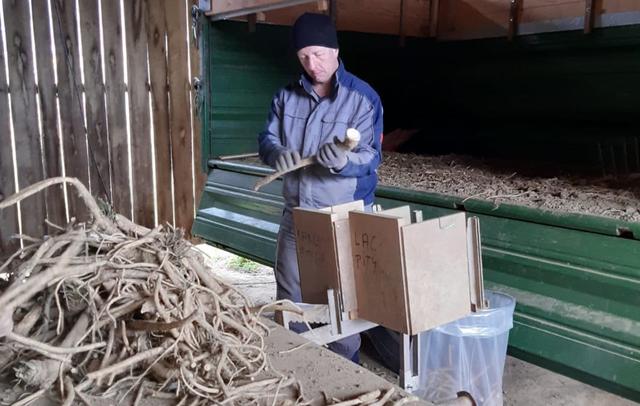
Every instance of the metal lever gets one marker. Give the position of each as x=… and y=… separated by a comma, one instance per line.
x=409, y=362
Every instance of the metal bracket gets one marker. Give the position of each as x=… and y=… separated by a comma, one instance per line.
x=474, y=255
x=334, y=313
x=198, y=95
x=196, y=14
x=409, y=362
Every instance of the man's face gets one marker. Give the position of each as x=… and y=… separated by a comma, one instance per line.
x=320, y=63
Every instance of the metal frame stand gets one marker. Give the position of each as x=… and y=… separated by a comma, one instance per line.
x=339, y=327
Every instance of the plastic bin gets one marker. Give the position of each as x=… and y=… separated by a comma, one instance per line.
x=468, y=354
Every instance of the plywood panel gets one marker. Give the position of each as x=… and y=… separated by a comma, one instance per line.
x=557, y=10
x=135, y=20
x=24, y=110
x=384, y=16
x=342, y=235
x=465, y=19
x=378, y=269
x=545, y=10
x=402, y=211
x=618, y=6
x=288, y=15
x=99, y=170
x=342, y=210
x=435, y=253
x=376, y=16
x=54, y=197
x=317, y=256
x=229, y=6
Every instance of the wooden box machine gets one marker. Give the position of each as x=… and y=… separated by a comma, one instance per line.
x=407, y=276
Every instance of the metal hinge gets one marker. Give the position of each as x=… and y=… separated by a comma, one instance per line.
x=198, y=90
x=196, y=14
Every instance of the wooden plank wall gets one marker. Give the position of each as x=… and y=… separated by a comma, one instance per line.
x=113, y=108
x=455, y=19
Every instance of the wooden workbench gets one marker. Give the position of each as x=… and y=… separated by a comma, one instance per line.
x=320, y=371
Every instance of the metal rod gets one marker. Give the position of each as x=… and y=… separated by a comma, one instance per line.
x=474, y=254
x=238, y=156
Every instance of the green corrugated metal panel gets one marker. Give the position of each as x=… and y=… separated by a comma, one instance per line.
x=565, y=98
x=577, y=284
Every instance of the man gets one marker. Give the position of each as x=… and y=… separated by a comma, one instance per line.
x=305, y=119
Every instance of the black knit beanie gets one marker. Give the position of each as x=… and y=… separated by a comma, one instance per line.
x=314, y=29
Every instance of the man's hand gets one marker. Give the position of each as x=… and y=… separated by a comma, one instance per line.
x=287, y=160
x=332, y=156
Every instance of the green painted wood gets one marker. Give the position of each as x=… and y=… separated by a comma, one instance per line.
x=577, y=284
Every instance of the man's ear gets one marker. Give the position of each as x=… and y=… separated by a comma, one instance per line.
x=337, y=51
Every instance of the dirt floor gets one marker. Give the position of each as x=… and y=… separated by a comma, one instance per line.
x=524, y=384
x=500, y=182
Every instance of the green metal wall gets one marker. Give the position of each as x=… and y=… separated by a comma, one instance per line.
x=568, y=99
x=576, y=282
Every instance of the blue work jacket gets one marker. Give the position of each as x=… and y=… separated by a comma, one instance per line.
x=299, y=120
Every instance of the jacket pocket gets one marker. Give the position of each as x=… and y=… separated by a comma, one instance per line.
x=293, y=131
x=335, y=126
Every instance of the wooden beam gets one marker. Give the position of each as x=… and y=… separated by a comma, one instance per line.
x=401, y=32
x=514, y=13
x=224, y=9
x=589, y=15
x=252, y=19
x=434, y=9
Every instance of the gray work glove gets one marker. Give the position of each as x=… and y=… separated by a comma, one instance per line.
x=332, y=156
x=287, y=160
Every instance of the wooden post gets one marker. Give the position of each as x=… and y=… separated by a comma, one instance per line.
x=76, y=150
x=114, y=87
x=180, y=129
x=589, y=11
x=156, y=31
x=513, y=19
x=25, y=123
x=8, y=216
x=135, y=20
x=401, y=33
x=333, y=10
x=54, y=197
x=94, y=90
x=251, y=22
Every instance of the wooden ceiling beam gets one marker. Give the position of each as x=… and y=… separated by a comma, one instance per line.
x=225, y=9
